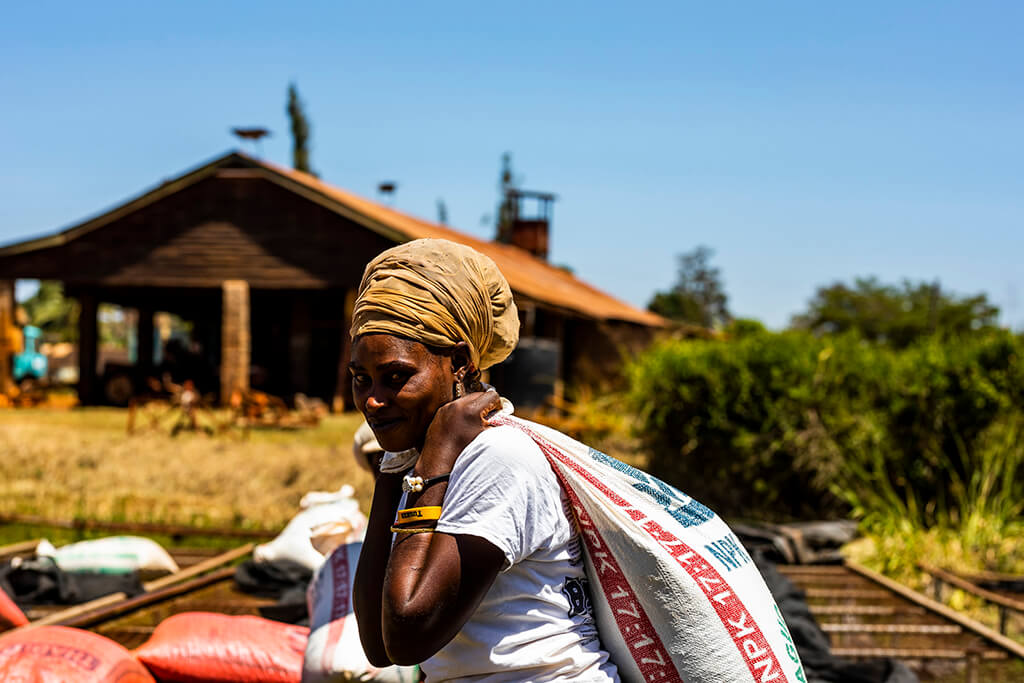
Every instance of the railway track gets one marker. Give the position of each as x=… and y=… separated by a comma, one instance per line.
x=865, y=615
x=868, y=616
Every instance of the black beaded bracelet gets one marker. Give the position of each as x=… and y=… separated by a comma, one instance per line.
x=414, y=484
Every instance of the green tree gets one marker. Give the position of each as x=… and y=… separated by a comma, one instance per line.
x=52, y=312
x=895, y=315
x=300, y=131
x=698, y=295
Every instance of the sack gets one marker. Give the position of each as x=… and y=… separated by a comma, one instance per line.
x=293, y=543
x=218, y=648
x=676, y=596
x=112, y=555
x=58, y=654
x=334, y=652
x=314, y=498
x=11, y=615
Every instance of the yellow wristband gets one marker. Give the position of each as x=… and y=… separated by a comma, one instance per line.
x=423, y=514
x=401, y=530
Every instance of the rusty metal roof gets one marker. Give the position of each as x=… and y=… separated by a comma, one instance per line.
x=528, y=276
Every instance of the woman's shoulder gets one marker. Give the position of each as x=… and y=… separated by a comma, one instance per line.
x=506, y=438
x=505, y=444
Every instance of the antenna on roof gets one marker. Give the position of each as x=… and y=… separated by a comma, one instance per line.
x=387, y=188
x=253, y=135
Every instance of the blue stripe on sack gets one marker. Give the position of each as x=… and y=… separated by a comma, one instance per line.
x=685, y=510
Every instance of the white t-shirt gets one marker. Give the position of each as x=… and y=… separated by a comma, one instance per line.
x=536, y=622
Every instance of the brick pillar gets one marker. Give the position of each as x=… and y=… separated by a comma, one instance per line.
x=234, y=338
x=7, y=332
x=87, y=345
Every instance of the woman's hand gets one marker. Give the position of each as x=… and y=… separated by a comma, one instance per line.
x=453, y=428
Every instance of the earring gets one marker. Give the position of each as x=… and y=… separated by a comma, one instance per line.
x=460, y=386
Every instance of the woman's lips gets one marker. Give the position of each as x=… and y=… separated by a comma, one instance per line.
x=384, y=424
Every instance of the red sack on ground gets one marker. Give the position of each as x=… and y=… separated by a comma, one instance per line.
x=10, y=615
x=58, y=654
x=203, y=647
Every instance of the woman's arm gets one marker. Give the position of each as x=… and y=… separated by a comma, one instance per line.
x=435, y=581
x=368, y=586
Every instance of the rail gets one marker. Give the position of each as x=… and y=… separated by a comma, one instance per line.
x=1003, y=603
x=868, y=616
x=145, y=528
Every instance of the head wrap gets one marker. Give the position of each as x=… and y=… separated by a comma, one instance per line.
x=439, y=293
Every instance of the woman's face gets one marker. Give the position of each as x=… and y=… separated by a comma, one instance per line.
x=398, y=386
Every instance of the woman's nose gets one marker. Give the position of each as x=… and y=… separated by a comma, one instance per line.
x=374, y=403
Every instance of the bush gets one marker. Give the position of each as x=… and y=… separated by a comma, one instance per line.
x=789, y=425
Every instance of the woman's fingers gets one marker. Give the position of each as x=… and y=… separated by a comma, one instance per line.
x=480, y=403
x=492, y=405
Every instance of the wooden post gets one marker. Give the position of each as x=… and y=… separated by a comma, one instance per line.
x=973, y=665
x=87, y=337
x=144, y=341
x=343, y=388
x=7, y=332
x=234, y=339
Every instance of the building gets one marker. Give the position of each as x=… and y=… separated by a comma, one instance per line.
x=264, y=262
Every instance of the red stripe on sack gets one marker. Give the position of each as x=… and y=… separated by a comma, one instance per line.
x=649, y=653
x=745, y=633
x=635, y=627
x=340, y=604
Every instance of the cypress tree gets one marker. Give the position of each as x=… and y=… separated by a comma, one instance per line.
x=300, y=132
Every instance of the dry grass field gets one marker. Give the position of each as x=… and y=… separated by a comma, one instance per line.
x=81, y=463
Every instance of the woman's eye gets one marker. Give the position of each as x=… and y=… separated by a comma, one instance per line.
x=360, y=380
x=397, y=379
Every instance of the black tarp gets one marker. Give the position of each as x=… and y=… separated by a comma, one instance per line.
x=41, y=582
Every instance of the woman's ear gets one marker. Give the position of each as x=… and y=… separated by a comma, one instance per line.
x=461, y=363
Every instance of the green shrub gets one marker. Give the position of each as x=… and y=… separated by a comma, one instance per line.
x=789, y=425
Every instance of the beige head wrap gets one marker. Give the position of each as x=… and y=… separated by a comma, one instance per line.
x=439, y=293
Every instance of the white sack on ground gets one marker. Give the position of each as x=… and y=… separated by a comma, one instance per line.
x=293, y=543
x=676, y=596
x=314, y=498
x=114, y=555
x=333, y=651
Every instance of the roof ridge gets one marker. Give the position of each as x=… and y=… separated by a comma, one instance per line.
x=491, y=248
x=527, y=274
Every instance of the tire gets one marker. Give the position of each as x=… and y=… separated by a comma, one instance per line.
x=118, y=389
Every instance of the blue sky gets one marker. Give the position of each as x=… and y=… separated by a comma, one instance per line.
x=803, y=141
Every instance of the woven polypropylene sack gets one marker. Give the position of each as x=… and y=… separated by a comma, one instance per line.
x=11, y=615
x=58, y=654
x=334, y=652
x=293, y=542
x=114, y=555
x=676, y=596
x=217, y=648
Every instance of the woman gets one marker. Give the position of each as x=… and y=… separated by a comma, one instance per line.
x=474, y=571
